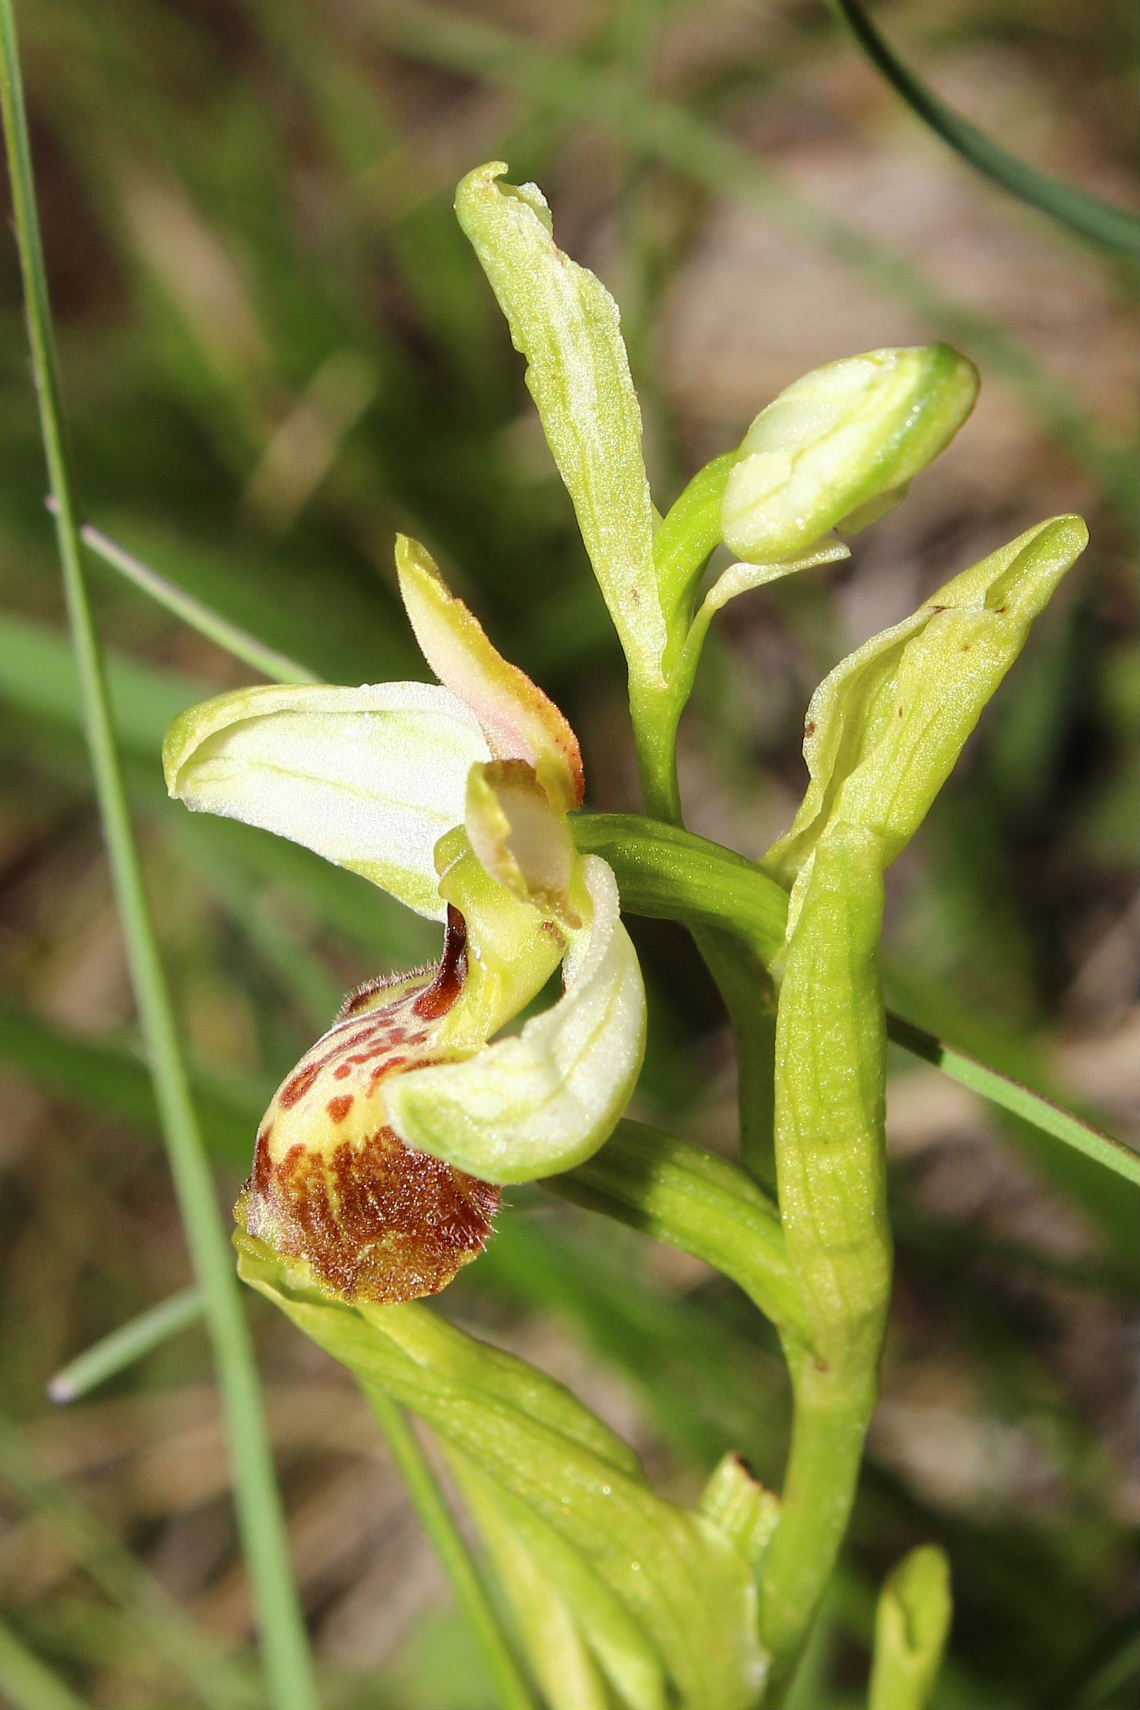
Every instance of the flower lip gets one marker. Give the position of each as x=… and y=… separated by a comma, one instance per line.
x=333, y=1185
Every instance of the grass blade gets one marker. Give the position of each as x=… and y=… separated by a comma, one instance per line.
x=29, y=1683
x=1038, y=1111
x=113, y=1353
x=512, y=1691
x=278, y=667
x=1087, y=215
x=285, y=1648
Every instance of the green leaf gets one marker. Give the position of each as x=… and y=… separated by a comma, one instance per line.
x=885, y=729
x=669, y=1576
x=597, y=1639
x=912, y=1622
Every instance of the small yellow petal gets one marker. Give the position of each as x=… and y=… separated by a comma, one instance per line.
x=518, y=720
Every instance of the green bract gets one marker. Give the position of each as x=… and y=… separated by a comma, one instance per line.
x=656, y=1600
x=566, y=324
x=838, y=448
x=884, y=730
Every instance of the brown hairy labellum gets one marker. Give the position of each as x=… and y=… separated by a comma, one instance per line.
x=334, y=1185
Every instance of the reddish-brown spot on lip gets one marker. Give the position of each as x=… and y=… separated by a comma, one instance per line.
x=299, y=1085
x=338, y=1108
x=438, y=998
x=262, y=1166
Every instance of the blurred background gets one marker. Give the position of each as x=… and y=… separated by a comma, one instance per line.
x=277, y=350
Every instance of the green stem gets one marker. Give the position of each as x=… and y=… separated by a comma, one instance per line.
x=743, y=982
x=513, y=1692
x=829, y=1423
x=702, y=1204
x=288, y=1663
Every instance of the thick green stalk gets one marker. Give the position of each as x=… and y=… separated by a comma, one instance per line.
x=744, y=984
x=831, y=1162
x=829, y=1424
x=287, y=1660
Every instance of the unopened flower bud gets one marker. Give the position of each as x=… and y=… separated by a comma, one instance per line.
x=837, y=449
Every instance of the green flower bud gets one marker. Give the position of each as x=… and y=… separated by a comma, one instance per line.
x=838, y=448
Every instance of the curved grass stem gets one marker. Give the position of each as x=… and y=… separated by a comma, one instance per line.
x=1086, y=215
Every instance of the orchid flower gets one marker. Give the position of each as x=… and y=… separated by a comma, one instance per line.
x=379, y=1160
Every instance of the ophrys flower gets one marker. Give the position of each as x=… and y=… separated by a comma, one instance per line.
x=379, y=1159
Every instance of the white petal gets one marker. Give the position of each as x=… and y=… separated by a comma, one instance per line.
x=370, y=778
x=540, y=1103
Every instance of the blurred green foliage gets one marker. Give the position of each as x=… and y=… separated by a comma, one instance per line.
x=277, y=350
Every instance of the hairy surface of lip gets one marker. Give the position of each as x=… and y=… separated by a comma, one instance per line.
x=334, y=1185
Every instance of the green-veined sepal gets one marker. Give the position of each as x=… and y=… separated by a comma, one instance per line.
x=369, y=777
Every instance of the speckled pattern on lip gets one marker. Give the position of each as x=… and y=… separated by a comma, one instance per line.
x=334, y=1185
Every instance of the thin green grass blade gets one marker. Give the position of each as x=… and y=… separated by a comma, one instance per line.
x=1086, y=215
x=1039, y=1112
x=27, y=1682
x=278, y=667
x=113, y=1353
x=512, y=1691
x=286, y=1654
